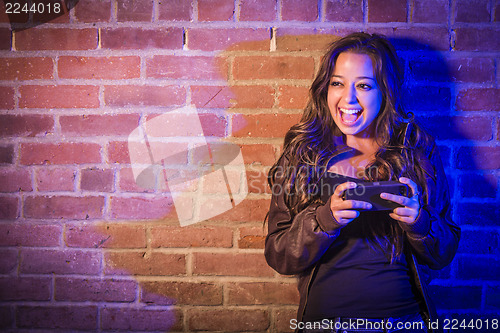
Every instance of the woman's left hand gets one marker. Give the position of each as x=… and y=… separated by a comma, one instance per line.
x=408, y=213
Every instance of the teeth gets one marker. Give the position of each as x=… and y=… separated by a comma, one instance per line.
x=350, y=111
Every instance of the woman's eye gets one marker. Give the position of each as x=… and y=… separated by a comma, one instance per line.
x=364, y=86
x=335, y=84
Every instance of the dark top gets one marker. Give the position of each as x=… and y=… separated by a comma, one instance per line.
x=356, y=278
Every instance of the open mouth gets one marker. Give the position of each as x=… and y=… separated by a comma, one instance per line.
x=349, y=116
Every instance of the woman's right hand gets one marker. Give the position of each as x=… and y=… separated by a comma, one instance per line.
x=344, y=211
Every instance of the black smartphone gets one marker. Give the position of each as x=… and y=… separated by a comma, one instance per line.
x=370, y=192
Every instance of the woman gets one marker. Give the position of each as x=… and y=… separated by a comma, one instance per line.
x=354, y=264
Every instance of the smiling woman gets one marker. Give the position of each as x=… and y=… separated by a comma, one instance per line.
x=354, y=97
x=357, y=265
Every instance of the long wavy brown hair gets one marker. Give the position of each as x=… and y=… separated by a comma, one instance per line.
x=308, y=145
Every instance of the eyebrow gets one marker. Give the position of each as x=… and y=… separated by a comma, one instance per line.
x=359, y=77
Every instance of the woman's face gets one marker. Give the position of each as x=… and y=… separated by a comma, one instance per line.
x=354, y=97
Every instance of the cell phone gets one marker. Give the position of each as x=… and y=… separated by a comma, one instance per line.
x=370, y=192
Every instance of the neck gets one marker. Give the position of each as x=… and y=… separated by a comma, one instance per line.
x=365, y=145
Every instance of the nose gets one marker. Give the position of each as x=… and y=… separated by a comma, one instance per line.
x=350, y=94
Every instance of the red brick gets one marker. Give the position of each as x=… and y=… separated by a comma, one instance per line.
x=94, y=290
x=175, y=10
x=430, y=11
x=215, y=10
x=251, y=97
x=5, y=39
x=258, y=10
x=135, y=10
x=257, y=181
x=143, y=263
x=55, y=179
x=140, y=319
x=59, y=97
x=344, y=11
x=97, y=180
x=138, y=38
x=144, y=95
x=220, y=39
x=228, y=320
x=299, y=10
x=52, y=17
x=233, y=264
x=477, y=158
x=60, y=207
x=25, y=125
x=302, y=39
x=7, y=154
x=98, y=125
x=279, y=67
x=25, y=288
x=387, y=11
x=282, y=319
x=211, y=124
x=57, y=317
x=93, y=11
x=472, y=11
x=26, y=68
x=472, y=69
x=246, y=211
x=258, y=293
x=24, y=234
x=498, y=129
x=59, y=153
x=260, y=154
x=166, y=236
x=9, y=208
x=6, y=98
x=252, y=237
x=15, y=180
x=291, y=97
x=34, y=261
x=4, y=18
x=106, y=236
x=117, y=152
x=478, y=99
x=36, y=39
x=141, y=208
x=263, y=125
x=477, y=39
x=191, y=68
x=8, y=262
x=112, y=68
x=421, y=38
x=128, y=182
x=459, y=128
x=180, y=293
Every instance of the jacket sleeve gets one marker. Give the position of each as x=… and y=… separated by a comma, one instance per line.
x=434, y=236
x=294, y=244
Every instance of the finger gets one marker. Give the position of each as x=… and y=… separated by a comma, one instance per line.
x=411, y=184
x=342, y=187
x=347, y=214
x=407, y=212
x=404, y=201
x=404, y=219
x=355, y=204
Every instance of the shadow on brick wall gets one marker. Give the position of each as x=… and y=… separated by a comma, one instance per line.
x=447, y=112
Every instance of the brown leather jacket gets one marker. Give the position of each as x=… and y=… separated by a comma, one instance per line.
x=295, y=244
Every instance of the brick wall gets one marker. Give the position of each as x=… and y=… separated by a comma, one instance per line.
x=84, y=248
